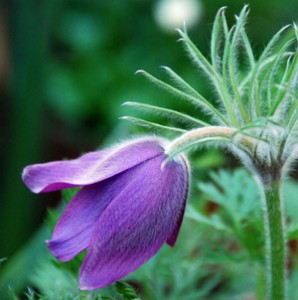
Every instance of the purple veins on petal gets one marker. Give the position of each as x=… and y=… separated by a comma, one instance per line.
x=171, y=240
x=89, y=168
x=58, y=175
x=74, y=228
x=128, y=207
x=135, y=224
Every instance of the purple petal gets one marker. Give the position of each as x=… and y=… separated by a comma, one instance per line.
x=74, y=229
x=136, y=223
x=62, y=174
x=171, y=240
x=91, y=167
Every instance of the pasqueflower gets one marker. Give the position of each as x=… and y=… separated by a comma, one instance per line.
x=130, y=204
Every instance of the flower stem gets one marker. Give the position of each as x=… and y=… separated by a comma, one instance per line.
x=204, y=134
x=275, y=240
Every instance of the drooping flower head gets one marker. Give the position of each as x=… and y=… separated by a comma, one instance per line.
x=130, y=204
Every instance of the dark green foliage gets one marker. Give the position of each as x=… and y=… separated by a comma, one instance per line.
x=126, y=291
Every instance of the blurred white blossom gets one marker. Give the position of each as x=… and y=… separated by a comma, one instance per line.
x=171, y=14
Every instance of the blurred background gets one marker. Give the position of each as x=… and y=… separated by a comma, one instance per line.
x=66, y=66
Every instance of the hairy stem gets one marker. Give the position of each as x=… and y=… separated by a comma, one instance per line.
x=209, y=133
x=275, y=239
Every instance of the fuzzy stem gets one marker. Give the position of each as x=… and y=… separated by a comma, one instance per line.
x=197, y=134
x=209, y=133
x=275, y=240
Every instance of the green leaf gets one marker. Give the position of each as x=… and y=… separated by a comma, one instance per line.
x=182, y=83
x=14, y=271
x=292, y=232
x=67, y=194
x=153, y=125
x=212, y=74
x=54, y=282
x=214, y=221
x=126, y=290
x=254, y=97
x=216, y=39
x=168, y=113
x=11, y=294
x=234, y=195
x=248, y=48
x=273, y=100
x=199, y=100
x=232, y=55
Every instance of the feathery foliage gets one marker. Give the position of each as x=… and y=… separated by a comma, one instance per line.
x=255, y=117
x=255, y=95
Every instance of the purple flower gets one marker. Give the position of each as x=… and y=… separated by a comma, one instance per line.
x=130, y=204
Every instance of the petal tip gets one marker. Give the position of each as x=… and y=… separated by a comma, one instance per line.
x=31, y=180
x=84, y=286
x=54, y=250
x=26, y=177
x=24, y=172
